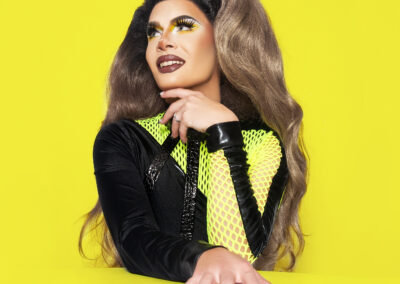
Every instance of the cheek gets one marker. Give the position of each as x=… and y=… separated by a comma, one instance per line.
x=206, y=42
x=205, y=50
x=150, y=56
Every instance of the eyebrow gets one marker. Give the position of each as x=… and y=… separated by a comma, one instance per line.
x=157, y=24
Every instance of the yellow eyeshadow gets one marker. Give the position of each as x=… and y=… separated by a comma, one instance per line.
x=194, y=27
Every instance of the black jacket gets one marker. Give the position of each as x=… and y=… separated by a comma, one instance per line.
x=155, y=213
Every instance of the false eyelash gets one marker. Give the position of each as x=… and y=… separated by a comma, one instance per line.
x=149, y=30
x=185, y=22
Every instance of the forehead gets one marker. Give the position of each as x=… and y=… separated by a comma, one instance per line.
x=166, y=10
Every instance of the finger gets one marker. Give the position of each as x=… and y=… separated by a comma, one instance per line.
x=183, y=132
x=175, y=125
x=250, y=278
x=227, y=278
x=192, y=280
x=178, y=93
x=207, y=278
x=174, y=107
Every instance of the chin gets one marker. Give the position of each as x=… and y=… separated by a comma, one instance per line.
x=171, y=100
x=172, y=84
x=169, y=85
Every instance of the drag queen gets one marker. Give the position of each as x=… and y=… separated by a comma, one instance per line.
x=199, y=163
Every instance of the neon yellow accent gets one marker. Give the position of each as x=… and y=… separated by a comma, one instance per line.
x=183, y=31
x=176, y=24
x=157, y=130
x=224, y=223
x=160, y=132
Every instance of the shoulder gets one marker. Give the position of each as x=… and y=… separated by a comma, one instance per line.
x=128, y=138
x=124, y=136
x=122, y=144
x=256, y=134
x=256, y=126
x=116, y=139
x=117, y=132
x=129, y=130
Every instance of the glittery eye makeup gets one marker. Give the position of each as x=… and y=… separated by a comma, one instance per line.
x=152, y=29
x=184, y=24
x=181, y=23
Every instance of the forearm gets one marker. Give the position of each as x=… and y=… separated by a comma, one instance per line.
x=224, y=224
x=153, y=253
x=143, y=248
x=247, y=231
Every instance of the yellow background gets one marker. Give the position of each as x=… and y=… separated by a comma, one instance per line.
x=341, y=64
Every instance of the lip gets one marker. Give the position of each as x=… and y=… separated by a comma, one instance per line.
x=171, y=68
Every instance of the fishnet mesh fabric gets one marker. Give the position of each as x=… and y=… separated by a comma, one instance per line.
x=157, y=130
x=224, y=223
x=160, y=132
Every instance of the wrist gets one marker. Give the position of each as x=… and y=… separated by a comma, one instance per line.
x=224, y=135
x=218, y=250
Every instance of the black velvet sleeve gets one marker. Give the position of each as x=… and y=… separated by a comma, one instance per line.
x=228, y=136
x=143, y=248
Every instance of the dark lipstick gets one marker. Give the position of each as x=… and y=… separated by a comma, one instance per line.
x=169, y=68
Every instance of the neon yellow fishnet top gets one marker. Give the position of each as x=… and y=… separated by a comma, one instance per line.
x=224, y=222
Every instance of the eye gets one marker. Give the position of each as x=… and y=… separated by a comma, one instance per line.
x=152, y=32
x=185, y=24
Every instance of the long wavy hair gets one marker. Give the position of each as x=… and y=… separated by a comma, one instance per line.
x=252, y=83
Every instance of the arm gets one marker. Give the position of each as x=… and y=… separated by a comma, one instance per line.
x=243, y=200
x=143, y=248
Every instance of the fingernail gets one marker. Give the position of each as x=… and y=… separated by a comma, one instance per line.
x=161, y=93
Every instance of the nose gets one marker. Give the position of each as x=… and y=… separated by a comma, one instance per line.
x=165, y=42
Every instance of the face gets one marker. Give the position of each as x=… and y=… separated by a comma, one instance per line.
x=181, y=38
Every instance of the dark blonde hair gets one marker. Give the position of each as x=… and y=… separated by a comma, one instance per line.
x=252, y=83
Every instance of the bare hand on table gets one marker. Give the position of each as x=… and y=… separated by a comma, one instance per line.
x=219, y=265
